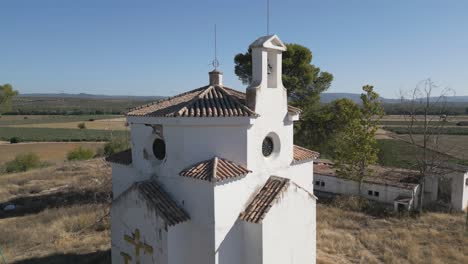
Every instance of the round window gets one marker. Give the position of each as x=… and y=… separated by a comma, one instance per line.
x=159, y=149
x=267, y=146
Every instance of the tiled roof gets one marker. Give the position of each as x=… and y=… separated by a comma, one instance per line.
x=207, y=101
x=123, y=157
x=401, y=178
x=160, y=201
x=303, y=154
x=264, y=199
x=215, y=170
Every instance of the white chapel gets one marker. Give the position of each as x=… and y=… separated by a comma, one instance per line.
x=213, y=176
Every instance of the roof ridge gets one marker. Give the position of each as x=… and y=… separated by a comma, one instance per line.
x=214, y=170
x=192, y=101
x=262, y=201
x=232, y=97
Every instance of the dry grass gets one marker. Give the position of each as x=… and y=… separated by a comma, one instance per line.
x=47, y=151
x=351, y=237
x=103, y=124
x=58, y=212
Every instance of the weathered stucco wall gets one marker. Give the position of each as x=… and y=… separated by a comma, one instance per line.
x=127, y=216
x=289, y=229
x=123, y=177
x=387, y=194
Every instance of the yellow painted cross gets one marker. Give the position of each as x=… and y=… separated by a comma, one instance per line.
x=135, y=241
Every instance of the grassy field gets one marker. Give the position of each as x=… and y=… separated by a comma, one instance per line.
x=420, y=130
x=62, y=212
x=401, y=154
x=47, y=151
x=58, y=134
x=103, y=124
x=453, y=145
x=11, y=120
x=401, y=118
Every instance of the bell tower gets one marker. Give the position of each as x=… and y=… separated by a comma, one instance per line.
x=266, y=71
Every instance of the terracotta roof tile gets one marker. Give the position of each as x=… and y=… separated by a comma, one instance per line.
x=160, y=201
x=302, y=154
x=215, y=170
x=207, y=101
x=264, y=199
x=123, y=157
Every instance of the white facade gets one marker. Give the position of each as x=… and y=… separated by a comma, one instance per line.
x=214, y=232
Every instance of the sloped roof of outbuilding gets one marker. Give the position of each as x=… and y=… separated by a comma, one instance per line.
x=215, y=170
x=264, y=199
x=161, y=201
x=207, y=101
x=123, y=157
x=301, y=154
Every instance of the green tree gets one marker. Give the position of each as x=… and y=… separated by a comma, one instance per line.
x=356, y=146
x=300, y=77
x=6, y=97
x=322, y=124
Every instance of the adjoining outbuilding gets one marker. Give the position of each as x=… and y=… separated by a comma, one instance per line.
x=396, y=187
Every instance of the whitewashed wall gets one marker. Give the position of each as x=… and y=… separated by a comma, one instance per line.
x=123, y=177
x=253, y=243
x=289, y=229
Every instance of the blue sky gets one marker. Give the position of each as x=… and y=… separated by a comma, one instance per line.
x=143, y=47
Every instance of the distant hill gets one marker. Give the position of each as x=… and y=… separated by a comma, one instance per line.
x=329, y=97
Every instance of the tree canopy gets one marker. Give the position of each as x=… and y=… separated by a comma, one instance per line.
x=356, y=147
x=6, y=97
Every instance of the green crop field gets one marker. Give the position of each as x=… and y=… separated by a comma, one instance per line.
x=58, y=134
x=401, y=154
x=420, y=130
x=11, y=120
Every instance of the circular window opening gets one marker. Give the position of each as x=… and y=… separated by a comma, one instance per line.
x=159, y=149
x=267, y=146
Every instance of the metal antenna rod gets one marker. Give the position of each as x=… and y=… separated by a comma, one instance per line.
x=268, y=17
x=215, y=61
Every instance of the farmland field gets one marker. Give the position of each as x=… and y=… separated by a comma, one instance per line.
x=453, y=145
x=9, y=120
x=77, y=105
x=47, y=151
x=58, y=134
x=102, y=124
